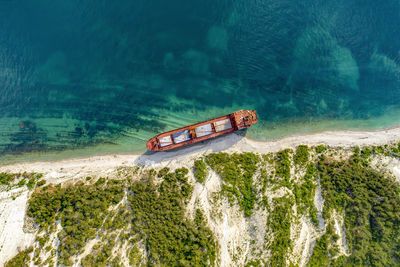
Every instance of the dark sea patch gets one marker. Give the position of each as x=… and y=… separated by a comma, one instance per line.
x=79, y=74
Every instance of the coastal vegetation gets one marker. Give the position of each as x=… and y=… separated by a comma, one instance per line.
x=151, y=217
x=80, y=209
x=21, y=259
x=200, y=170
x=283, y=166
x=237, y=171
x=302, y=155
x=95, y=212
x=370, y=202
x=158, y=218
x=305, y=192
x=279, y=223
x=13, y=180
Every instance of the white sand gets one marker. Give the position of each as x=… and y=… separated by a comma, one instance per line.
x=12, y=212
x=74, y=168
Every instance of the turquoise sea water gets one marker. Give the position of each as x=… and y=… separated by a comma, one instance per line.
x=93, y=77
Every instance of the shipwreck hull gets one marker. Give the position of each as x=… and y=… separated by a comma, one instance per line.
x=201, y=131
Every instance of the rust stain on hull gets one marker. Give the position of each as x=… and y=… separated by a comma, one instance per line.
x=203, y=130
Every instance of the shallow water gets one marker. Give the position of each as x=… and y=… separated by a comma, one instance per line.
x=95, y=77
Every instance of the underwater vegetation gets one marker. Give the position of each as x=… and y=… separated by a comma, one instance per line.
x=133, y=69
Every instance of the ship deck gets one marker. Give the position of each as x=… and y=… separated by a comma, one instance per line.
x=201, y=131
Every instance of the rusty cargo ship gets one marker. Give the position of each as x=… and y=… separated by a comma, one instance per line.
x=201, y=131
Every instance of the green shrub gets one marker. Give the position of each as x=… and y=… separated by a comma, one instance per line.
x=301, y=156
x=163, y=172
x=21, y=183
x=380, y=150
x=255, y=263
x=134, y=256
x=200, y=170
x=320, y=148
x=80, y=209
x=305, y=192
x=42, y=241
x=371, y=202
x=40, y=183
x=282, y=166
x=180, y=174
x=366, y=152
x=159, y=218
x=100, y=181
x=6, y=178
x=22, y=259
x=269, y=157
x=237, y=172
x=279, y=222
x=154, y=213
x=320, y=256
x=31, y=183
x=9, y=178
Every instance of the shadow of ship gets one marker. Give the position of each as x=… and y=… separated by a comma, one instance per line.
x=216, y=144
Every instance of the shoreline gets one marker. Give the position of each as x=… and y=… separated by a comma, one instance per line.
x=230, y=143
x=100, y=150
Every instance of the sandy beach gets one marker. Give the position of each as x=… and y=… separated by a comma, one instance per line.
x=13, y=202
x=79, y=167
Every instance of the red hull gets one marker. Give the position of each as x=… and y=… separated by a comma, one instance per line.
x=203, y=130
